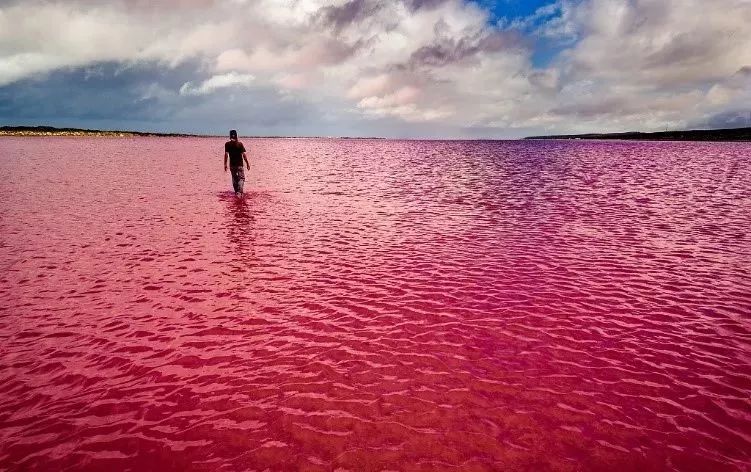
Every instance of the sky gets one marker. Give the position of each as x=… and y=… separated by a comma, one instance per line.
x=390, y=68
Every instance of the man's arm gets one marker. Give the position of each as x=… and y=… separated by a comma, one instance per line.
x=247, y=164
x=226, y=156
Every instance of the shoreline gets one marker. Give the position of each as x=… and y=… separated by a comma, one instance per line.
x=50, y=131
x=716, y=135
x=33, y=131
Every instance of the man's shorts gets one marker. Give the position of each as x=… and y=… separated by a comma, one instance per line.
x=238, y=178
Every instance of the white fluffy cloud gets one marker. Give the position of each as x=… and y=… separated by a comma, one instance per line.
x=216, y=82
x=651, y=62
x=623, y=64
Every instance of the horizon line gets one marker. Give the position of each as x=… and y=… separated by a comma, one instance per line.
x=739, y=133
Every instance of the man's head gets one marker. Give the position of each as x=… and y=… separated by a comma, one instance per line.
x=233, y=134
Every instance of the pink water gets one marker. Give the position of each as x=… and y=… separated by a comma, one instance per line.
x=375, y=305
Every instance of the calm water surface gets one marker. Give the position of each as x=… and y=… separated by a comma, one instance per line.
x=375, y=305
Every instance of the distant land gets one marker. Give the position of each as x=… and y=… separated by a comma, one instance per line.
x=732, y=134
x=52, y=131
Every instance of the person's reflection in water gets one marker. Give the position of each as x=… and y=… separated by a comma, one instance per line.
x=241, y=234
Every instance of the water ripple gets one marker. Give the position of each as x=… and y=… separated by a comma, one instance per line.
x=375, y=305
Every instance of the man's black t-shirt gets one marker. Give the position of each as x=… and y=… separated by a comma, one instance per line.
x=235, y=149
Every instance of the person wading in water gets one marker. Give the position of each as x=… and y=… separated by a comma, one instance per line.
x=235, y=151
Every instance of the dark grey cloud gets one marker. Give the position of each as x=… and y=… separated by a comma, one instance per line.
x=446, y=51
x=342, y=16
x=98, y=91
x=146, y=97
x=685, y=48
x=726, y=119
x=339, y=51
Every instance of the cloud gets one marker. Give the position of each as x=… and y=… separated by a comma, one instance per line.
x=102, y=94
x=650, y=64
x=352, y=11
x=658, y=43
x=298, y=81
x=736, y=88
x=447, y=50
x=402, y=66
x=146, y=97
x=214, y=83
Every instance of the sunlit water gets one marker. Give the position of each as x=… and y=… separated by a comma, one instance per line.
x=375, y=305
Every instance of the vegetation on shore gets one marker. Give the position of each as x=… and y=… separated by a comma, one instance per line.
x=732, y=134
x=52, y=131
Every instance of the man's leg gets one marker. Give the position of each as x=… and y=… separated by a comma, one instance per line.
x=238, y=179
x=233, y=171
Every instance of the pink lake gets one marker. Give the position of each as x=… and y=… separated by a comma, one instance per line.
x=375, y=305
